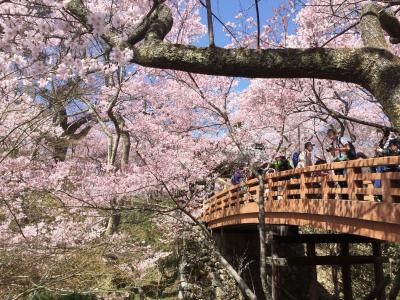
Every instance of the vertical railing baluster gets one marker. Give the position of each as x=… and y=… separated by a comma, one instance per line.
x=285, y=190
x=270, y=190
x=385, y=188
x=324, y=187
x=303, y=186
x=351, y=185
x=230, y=201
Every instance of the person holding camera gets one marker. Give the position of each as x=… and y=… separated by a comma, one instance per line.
x=341, y=148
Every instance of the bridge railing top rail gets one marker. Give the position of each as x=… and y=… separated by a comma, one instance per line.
x=350, y=164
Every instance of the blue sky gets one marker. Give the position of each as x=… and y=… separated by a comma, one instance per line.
x=226, y=10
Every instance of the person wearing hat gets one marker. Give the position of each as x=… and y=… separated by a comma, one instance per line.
x=305, y=157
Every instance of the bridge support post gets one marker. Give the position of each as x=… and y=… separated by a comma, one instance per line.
x=313, y=292
x=274, y=269
x=346, y=273
x=289, y=281
x=378, y=271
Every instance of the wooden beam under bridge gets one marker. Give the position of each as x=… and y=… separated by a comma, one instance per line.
x=325, y=260
x=344, y=259
x=320, y=239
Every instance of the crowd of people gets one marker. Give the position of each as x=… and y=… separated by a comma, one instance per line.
x=340, y=149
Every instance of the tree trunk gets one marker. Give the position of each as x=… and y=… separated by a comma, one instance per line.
x=113, y=222
x=265, y=277
x=60, y=150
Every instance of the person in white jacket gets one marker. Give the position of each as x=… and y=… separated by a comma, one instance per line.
x=305, y=157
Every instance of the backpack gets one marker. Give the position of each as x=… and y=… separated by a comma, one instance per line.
x=296, y=158
x=352, y=153
x=285, y=165
x=281, y=165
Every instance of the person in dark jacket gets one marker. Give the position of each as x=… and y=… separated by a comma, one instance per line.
x=391, y=150
x=237, y=177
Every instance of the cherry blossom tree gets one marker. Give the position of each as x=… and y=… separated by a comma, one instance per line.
x=108, y=108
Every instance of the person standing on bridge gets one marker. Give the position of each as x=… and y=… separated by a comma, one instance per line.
x=391, y=150
x=237, y=177
x=305, y=157
x=341, y=149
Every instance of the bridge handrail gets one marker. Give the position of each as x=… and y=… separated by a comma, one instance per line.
x=352, y=167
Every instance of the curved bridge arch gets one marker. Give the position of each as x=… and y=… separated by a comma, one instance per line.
x=314, y=196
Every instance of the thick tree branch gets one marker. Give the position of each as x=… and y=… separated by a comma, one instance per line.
x=74, y=126
x=374, y=67
x=374, y=18
x=80, y=135
x=371, y=30
x=349, y=65
x=155, y=13
x=160, y=23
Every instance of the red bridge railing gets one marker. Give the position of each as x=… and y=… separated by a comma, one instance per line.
x=315, y=196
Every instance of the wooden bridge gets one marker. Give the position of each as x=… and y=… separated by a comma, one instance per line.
x=316, y=197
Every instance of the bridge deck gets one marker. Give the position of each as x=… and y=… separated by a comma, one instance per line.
x=314, y=196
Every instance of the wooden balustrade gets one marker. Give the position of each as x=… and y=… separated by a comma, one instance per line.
x=339, y=196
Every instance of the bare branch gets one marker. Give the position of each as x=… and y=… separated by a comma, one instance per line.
x=210, y=24
x=258, y=23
